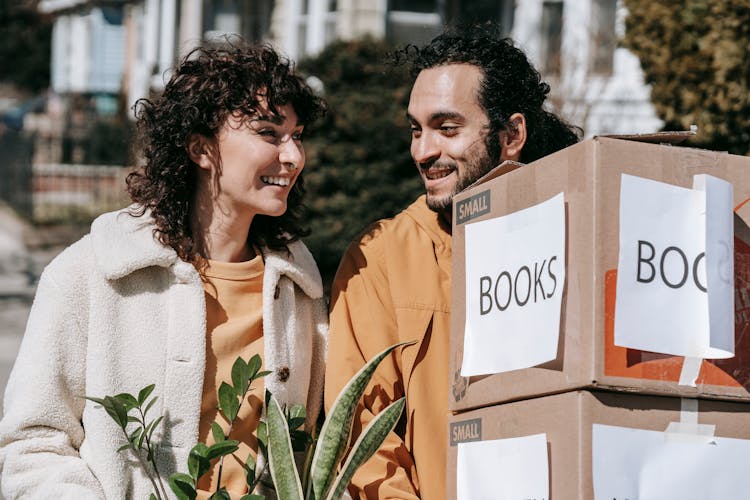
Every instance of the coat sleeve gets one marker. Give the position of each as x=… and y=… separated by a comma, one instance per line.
x=41, y=431
x=363, y=323
x=317, y=368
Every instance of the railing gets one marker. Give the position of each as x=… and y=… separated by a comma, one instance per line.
x=64, y=192
x=16, y=151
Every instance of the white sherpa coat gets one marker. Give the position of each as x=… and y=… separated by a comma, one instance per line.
x=117, y=311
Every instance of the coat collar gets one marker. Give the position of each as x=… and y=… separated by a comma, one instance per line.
x=124, y=243
x=432, y=224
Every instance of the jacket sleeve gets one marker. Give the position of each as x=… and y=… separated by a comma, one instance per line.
x=41, y=431
x=363, y=323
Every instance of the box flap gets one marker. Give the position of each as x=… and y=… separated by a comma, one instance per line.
x=503, y=168
x=669, y=137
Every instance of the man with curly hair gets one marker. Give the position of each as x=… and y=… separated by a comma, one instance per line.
x=476, y=102
x=204, y=267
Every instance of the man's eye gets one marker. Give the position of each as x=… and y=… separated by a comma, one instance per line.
x=416, y=131
x=267, y=132
x=297, y=136
x=449, y=129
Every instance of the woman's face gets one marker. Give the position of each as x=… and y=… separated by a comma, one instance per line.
x=260, y=159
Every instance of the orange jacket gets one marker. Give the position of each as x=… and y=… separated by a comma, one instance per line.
x=393, y=285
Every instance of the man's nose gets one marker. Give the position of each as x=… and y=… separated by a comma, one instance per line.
x=425, y=149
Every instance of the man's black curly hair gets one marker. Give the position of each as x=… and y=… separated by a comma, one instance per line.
x=510, y=84
x=209, y=85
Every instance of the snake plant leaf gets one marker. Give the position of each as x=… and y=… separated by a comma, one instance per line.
x=337, y=429
x=368, y=443
x=280, y=454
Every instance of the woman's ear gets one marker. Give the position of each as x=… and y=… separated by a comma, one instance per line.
x=513, y=138
x=199, y=151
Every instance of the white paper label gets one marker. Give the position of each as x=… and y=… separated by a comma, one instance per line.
x=503, y=469
x=675, y=269
x=515, y=272
x=634, y=464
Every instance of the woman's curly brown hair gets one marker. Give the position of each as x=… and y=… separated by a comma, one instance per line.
x=209, y=85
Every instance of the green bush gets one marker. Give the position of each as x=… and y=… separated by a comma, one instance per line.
x=695, y=56
x=358, y=167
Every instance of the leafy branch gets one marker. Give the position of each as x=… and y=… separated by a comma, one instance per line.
x=139, y=440
x=279, y=436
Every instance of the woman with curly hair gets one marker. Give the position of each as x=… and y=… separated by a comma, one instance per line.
x=205, y=266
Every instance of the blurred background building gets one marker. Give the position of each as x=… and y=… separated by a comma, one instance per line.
x=71, y=70
x=109, y=50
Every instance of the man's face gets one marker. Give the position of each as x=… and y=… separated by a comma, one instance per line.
x=449, y=131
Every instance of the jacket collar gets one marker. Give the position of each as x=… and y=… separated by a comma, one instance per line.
x=432, y=224
x=124, y=243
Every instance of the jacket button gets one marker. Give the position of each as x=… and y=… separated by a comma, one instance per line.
x=283, y=374
x=276, y=292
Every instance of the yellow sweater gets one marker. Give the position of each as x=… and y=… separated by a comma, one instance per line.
x=393, y=285
x=234, y=327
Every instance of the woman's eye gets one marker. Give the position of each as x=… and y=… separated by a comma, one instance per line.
x=415, y=131
x=297, y=136
x=267, y=132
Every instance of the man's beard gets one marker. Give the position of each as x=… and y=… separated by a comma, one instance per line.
x=477, y=164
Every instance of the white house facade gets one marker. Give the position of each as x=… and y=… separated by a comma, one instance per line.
x=595, y=83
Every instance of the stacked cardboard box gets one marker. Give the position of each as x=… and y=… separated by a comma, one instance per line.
x=563, y=398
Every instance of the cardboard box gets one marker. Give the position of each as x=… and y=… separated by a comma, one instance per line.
x=589, y=174
x=568, y=421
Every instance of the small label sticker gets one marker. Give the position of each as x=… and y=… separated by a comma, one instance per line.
x=473, y=207
x=466, y=431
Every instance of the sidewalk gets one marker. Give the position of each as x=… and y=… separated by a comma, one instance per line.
x=24, y=252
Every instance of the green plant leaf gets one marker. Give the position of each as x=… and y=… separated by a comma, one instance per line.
x=99, y=401
x=336, y=432
x=280, y=454
x=222, y=494
x=116, y=410
x=145, y=393
x=253, y=366
x=368, y=443
x=149, y=405
x=183, y=486
x=262, y=374
x=228, y=403
x=152, y=497
x=249, y=467
x=218, y=433
x=198, y=462
x=262, y=433
x=123, y=448
x=127, y=400
x=296, y=417
x=153, y=425
x=220, y=449
x=252, y=497
x=240, y=376
x=134, y=436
